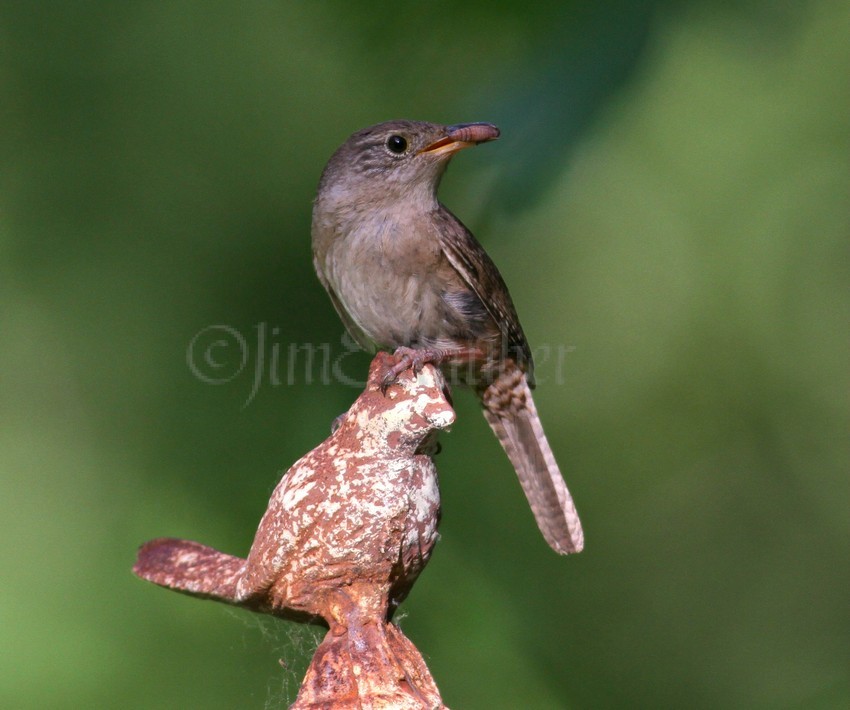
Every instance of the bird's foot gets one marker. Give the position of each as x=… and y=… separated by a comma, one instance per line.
x=417, y=358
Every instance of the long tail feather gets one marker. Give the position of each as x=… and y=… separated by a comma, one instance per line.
x=510, y=411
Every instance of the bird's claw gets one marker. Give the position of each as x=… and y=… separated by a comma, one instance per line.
x=337, y=422
x=410, y=358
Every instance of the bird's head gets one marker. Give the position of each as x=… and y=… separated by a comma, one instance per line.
x=397, y=160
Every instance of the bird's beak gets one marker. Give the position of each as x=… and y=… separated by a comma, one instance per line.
x=461, y=136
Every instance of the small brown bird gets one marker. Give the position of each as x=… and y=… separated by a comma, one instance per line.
x=405, y=274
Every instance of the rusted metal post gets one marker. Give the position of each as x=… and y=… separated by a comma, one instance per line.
x=347, y=532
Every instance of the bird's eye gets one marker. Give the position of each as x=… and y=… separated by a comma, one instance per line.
x=397, y=144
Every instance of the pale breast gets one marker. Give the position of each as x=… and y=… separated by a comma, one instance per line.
x=393, y=285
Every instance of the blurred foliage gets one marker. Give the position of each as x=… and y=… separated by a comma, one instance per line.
x=669, y=203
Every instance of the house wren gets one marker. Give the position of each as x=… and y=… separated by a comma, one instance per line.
x=405, y=274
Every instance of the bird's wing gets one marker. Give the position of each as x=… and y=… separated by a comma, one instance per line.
x=480, y=274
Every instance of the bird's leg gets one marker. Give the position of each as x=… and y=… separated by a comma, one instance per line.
x=416, y=358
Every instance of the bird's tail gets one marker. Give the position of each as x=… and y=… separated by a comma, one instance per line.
x=510, y=411
x=191, y=568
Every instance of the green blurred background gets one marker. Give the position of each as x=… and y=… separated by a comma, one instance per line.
x=669, y=202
